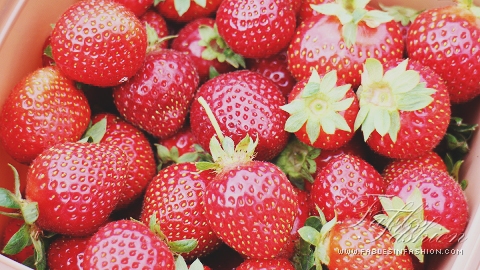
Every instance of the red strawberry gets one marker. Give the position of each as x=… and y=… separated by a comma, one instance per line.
x=157, y=23
x=256, y=28
x=188, y=10
x=266, y=264
x=444, y=39
x=347, y=187
x=244, y=102
x=347, y=45
x=425, y=209
x=275, y=68
x=76, y=186
x=322, y=111
x=140, y=158
x=404, y=111
x=199, y=40
x=44, y=108
x=101, y=52
x=175, y=195
x=12, y=226
x=306, y=11
x=127, y=243
x=138, y=7
x=66, y=252
x=158, y=97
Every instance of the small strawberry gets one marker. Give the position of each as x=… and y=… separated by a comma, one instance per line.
x=347, y=187
x=306, y=11
x=99, y=42
x=444, y=39
x=138, y=7
x=155, y=21
x=43, y=109
x=127, y=243
x=158, y=97
x=266, y=264
x=65, y=252
x=404, y=110
x=322, y=111
x=256, y=28
x=186, y=10
x=244, y=102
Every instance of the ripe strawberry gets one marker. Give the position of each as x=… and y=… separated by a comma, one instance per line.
x=347, y=187
x=66, y=252
x=76, y=186
x=322, y=111
x=157, y=23
x=12, y=226
x=424, y=208
x=138, y=7
x=186, y=11
x=350, y=41
x=127, y=243
x=444, y=39
x=43, y=109
x=404, y=111
x=140, y=158
x=244, y=102
x=266, y=264
x=175, y=195
x=256, y=28
x=99, y=42
x=275, y=68
x=158, y=97
x=404, y=16
x=199, y=40
x=306, y=11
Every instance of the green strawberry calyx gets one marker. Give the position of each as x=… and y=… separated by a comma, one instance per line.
x=401, y=14
x=169, y=156
x=382, y=96
x=319, y=107
x=153, y=40
x=182, y=6
x=351, y=13
x=406, y=223
x=469, y=5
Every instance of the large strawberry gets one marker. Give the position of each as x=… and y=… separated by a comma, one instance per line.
x=175, y=196
x=444, y=39
x=404, y=108
x=355, y=33
x=244, y=102
x=256, y=28
x=43, y=109
x=186, y=10
x=158, y=97
x=99, y=42
x=65, y=252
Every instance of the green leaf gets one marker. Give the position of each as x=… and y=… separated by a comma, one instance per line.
x=183, y=246
x=96, y=132
x=329, y=81
x=295, y=106
x=310, y=89
x=18, y=241
x=381, y=121
x=181, y=6
x=349, y=34
x=338, y=93
x=310, y=235
x=394, y=125
x=48, y=51
x=29, y=211
x=313, y=129
x=413, y=102
x=296, y=121
x=196, y=265
x=202, y=3
x=374, y=18
x=188, y=157
x=202, y=165
x=342, y=105
x=339, y=122
x=8, y=199
x=180, y=263
x=334, y=9
x=40, y=255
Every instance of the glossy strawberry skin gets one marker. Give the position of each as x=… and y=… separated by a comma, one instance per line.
x=176, y=196
x=140, y=158
x=245, y=102
x=167, y=9
x=312, y=48
x=158, y=23
x=96, y=52
x=184, y=140
x=256, y=29
x=252, y=197
x=66, y=252
x=158, y=97
x=443, y=39
x=266, y=264
x=127, y=243
x=443, y=199
x=138, y=7
x=349, y=187
x=76, y=185
x=43, y=109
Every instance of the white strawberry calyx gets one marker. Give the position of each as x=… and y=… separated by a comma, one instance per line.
x=469, y=5
x=383, y=95
x=318, y=106
x=401, y=14
x=351, y=13
x=406, y=223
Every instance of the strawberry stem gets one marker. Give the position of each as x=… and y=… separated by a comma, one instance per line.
x=212, y=118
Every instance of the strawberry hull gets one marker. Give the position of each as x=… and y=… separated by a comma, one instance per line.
x=24, y=26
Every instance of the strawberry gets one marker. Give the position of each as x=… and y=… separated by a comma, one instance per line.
x=275, y=68
x=155, y=21
x=140, y=158
x=350, y=40
x=138, y=7
x=244, y=102
x=306, y=11
x=101, y=52
x=200, y=41
x=186, y=10
x=425, y=209
x=127, y=243
x=256, y=28
x=404, y=111
x=158, y=97
x=175, y=195
x=12, y=226
x=266, y=264
x=43, y=109
x=65, y=252
x=322, y=111
x=347, y=187
x=444, y=39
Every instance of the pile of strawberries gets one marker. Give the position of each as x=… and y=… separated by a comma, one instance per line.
x=246, y=134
